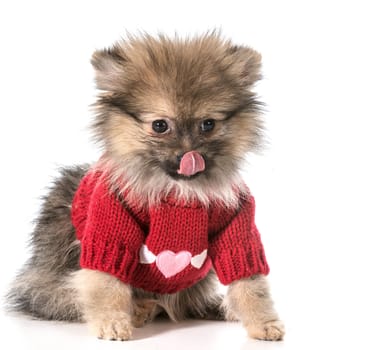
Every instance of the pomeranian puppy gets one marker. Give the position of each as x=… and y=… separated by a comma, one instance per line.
x=163, y=216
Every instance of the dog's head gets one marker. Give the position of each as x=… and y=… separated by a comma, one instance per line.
x=177, y=114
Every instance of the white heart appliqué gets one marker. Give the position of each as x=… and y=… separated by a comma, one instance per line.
x=198, y=260
x=146, y=256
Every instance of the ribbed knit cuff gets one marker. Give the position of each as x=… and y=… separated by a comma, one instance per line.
x=240, y=262
x=114, y=259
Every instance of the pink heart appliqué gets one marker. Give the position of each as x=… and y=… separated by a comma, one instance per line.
x=170, y=263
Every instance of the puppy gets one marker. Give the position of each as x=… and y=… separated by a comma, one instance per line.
x=163, y=216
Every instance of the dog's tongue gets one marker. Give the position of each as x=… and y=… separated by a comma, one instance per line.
x=191, y=163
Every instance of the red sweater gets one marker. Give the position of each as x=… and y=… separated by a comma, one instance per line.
x=167, y=247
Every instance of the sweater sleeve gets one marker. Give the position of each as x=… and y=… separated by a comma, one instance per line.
x=110, y=237
x=236, y=249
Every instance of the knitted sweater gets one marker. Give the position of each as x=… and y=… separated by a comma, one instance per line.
x=167, y=247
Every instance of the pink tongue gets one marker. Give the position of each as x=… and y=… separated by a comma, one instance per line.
x=191, y=163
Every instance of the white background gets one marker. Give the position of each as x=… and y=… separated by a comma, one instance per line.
x=322, y=185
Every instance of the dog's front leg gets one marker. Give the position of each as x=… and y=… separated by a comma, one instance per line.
x=249, y=301
x=106, y=304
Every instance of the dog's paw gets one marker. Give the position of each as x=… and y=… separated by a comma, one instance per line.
x=143, y=312
x=272, y=330
x=114, y=326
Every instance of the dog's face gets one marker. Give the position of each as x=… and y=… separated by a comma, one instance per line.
x=177, y=112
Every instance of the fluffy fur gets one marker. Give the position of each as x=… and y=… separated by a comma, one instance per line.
x=184, y=81
x=141, y=79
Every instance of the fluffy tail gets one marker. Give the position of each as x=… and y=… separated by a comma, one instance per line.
x=41, y=289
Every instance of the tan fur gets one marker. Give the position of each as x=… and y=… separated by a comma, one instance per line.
x=158, y=185
x=144, y=311
x=124, y=134
x=249, y=301
x=106, y=303
x=111, y=311
x=183, y=81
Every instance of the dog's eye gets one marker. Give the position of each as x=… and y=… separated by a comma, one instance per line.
x=207, y=125
x=160, y=126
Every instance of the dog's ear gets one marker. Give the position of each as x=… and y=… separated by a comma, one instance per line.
x=109, y=68
x=244, y=63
